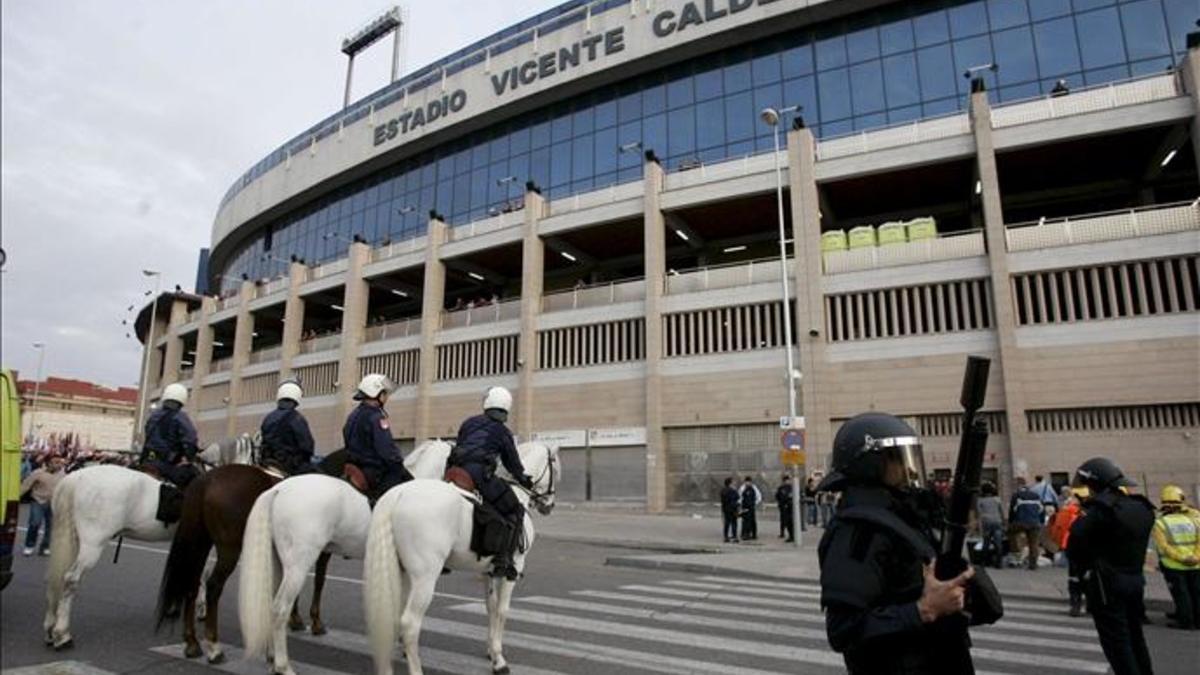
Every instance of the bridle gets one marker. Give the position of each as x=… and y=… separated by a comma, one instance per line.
x=539, y=499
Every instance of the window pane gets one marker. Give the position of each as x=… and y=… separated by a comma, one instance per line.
x=1150, y=66
x=679, y=92
x=539, y=167
x=937, y=72
x=969, y=19
x=834, y=88
x=1015, y=56
x=1007, y=13
x=870, y=121
x=797, y=61
x=605, y=113
x=1045, y=9
x=710, y=123
x=866, y=83
x=606, y=150
x=581, y=158
x=1181, y=17
x=737, y=76
x=708, y=82
x=802, y=91
x=831, y=52
x=629, y=133
x=766, y=69
x=931, y=28
x=1084, y=5
x=863, y=45
x=560, y=163
x=767, y=97
x=896, y=37
x=560, y=128
x=976, y=51
x=583, y=121
x=945, y=105
x=654, y=99
x=1103, y=46
x=1145, y=32
x=681, y=132
x=900, y=78
x=654, y=133
x=740, y=117
x=1102, y=75
x=904, y=114
x=1057, y=50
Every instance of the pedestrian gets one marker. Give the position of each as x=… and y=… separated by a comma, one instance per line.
x=1108, y=543
x=783, y=500
x=1060, y=533
x=991, y=524
x=1177, y=539
x=810, y=500
x=40, y=484
x=1045, y=492
x=1025, y=517
x=885, y=611
x=730, y=505
x=751, y=498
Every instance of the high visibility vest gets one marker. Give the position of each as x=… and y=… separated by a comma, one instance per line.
x=1180, y=534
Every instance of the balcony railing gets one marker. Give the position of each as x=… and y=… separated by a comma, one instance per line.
x=328, y=269
x=394, y=329
x=598, y=295
x=271, y=287
x=227, y=302
x=193, y=316
x=265, y=355
x=945, y=247
x=613, y=193
x=1108, y=226
x=320, y=344
x=186, y=374
x=694, y=174
x=723, y=276
x=501, y=311
x=221, y=365
x=908, y=133
x=1091, y=99
x=398, y=248
x=500, y=221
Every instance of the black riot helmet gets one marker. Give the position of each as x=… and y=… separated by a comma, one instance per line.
x=865, y=447
x=1099, y=473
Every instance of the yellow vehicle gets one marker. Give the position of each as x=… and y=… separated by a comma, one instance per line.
x=10, y=470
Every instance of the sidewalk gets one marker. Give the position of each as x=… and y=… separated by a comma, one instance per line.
x=691, y=542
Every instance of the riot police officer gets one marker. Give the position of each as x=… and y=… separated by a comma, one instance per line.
x=170, y=438
x=481, y=439
x=368, y=438
x=1108, y=542
x=286, y=438
x=885, y=611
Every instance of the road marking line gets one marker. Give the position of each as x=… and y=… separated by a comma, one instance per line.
x=58, y=668
x=436, y=659
x=236, y=664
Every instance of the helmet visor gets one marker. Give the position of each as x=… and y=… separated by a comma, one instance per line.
x=904, y=461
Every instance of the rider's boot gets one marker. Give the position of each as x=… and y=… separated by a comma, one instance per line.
x=502, y=562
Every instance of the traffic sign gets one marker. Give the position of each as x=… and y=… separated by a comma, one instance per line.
x=793, y=439
x=792, y=457
x=786, y=422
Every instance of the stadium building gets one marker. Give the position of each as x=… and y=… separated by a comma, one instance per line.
x=582, y=207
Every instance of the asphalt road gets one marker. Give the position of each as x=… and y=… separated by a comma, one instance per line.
x=572, y=614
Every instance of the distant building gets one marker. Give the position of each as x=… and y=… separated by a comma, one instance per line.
x=98, y=417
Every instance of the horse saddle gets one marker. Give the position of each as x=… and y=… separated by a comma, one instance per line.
x=460, y=478
x=355, y=476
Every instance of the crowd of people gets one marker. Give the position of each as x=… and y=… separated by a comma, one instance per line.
x=481, y=301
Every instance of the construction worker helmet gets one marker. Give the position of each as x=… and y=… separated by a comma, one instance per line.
x=175, y=392
x=289, y=390
x=1172, y=494
x=372, y=386
x=497, y=398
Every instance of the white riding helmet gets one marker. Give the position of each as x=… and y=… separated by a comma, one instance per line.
x=289, y=390
x=497, y=398
x=175, y=392
x=372, y=386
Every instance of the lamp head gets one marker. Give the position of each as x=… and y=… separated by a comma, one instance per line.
x=770, y=116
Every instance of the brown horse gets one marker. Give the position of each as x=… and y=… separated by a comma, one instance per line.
x=215, y=508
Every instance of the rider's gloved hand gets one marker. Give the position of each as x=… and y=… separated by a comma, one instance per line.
x=525, y=481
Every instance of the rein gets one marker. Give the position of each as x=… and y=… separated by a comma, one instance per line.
x=539, y=498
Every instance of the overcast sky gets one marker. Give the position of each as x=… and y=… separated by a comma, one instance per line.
x=124, y=122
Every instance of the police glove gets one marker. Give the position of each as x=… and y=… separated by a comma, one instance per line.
x=525, y=481
x=942, y=598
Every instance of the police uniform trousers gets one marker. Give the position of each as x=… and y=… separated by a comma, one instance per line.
x=1185, y=591
x=178, y=474
x=1117, y=605
x=496, y=492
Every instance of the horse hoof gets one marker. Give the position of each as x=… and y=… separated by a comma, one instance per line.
x=296, y=625
x=502, y=670
x=64, y=645
x=192, y=651
x=216, y=659
x=318, y=628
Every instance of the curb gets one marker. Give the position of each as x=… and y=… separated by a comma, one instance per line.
x=632, y=545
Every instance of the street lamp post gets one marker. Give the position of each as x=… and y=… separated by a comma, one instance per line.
x=772, y=118
x=143, y=391
x=37, y=386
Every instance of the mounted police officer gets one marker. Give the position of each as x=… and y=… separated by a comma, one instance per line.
x=170, y=438
x=286, y=438
x=368, y=438
x=1108, y=542
x=481, y=440
x=885, y=611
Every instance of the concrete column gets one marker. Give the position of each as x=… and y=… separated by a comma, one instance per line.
x=655, y=266
x=174, y=354
x=808, y=291
x=354, y=324
x=532, y=282
x=293, y=320
x=204, y=344
x=1002, y=300
x=243, y=340
x=432, y=302
x=1189, y=73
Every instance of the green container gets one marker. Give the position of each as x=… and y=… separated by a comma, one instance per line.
x=863, y=236
x=892, y=233
x=922, y=228
x=834, y=240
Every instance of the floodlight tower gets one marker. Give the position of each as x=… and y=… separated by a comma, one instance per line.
x=375, y=30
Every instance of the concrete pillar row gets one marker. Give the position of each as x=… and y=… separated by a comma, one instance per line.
x=355, y=301
x=533, y=251
x=204, y=344
x=432, y=302
x=1189, y=73
x=808, y=291
x=243, y=342
x=174, y=355
x=293, y=320
x=655, y=266
x=1002, y=296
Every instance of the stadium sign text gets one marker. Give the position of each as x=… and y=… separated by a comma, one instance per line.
x=589, y=48
x=411, y=120
x=667, y=21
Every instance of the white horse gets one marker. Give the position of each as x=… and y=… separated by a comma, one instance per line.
x=241, y=449
x=423, y=526
x=91, y=506
x=295, y=523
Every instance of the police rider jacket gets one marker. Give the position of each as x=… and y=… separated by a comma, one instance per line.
x=170, y=436
x=368, y=439
x=480, y=440
x=286, y=437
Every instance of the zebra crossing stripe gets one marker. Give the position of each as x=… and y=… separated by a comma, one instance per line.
x=436, y=659
x=776, y=629
x=58, y=668
x=770, y=650
x=234, y=663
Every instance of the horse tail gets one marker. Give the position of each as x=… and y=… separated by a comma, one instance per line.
x=256, y=580
x=381, y=581
x=64, y=541
x=185, y=561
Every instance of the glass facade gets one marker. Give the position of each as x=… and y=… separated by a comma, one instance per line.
x=894, y=64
